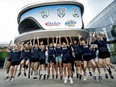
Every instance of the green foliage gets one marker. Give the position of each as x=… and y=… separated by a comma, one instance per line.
x=3, y=54
x=114, y=51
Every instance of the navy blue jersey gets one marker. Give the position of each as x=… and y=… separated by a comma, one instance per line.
x=42, y=54
x=58, y=51
x=51, y=51
x=22, y=54
x=70, y=51
x=35, y=53
x=102, y=45
x=27, y=53
x=9, y=54
x=85, y=50
x=15, y=56
x=77, y=49
x=66, y=52
x=93, y=52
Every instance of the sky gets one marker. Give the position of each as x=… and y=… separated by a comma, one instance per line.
x=9, y=10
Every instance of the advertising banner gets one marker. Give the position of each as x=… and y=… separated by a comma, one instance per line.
x=56, y=16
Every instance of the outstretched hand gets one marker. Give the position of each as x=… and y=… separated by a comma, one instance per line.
x=90, y=34
x=79, y=36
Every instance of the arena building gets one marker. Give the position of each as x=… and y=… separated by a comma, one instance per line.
x=51, y=19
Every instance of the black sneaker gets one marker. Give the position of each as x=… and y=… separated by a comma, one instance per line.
x=109, y=70
x=100, y=78
x=73, y=70
x=35, y=77
x=48, y=76
x=26, y=67
x=80, y=77
x=106, y=75
x=19, y=74
x=111, y=76
x=90, y=73
x=94, y=77
x=52, y=76
x=44, y=77
x=40, y=76
x=6, y=78
x=60, y=77
x=56, y=76
x=77, y=75
x=68, y=76
x=25, y=74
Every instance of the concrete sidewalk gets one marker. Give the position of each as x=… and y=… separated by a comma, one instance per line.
x=25, y=82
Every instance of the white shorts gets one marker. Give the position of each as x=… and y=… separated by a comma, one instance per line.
x=96, y=59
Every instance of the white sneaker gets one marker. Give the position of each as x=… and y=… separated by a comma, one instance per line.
x=12, y=79
x=65, y=80
x=71, y=81
x=85, y=78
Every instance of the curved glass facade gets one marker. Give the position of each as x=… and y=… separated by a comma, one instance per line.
x=104, y=18
x=105, y=22
x=96, y=6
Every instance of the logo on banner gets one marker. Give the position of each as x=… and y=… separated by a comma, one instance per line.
x=70, y=23
x=75, y=12
x=61, y=12
x=52, y=23
x=45, y=13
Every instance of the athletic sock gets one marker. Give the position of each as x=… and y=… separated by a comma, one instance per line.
x=77, y=75
x=71, y=80
x=7, y=75
x=65, y=79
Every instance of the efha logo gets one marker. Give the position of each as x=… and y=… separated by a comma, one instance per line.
x=52, y=23
x=70, y=23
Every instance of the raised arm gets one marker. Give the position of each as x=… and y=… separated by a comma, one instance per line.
x=60, y=40
x=56, y=40
x=67, y=41
x=104, y=36
x=33, y=42
x=53, y=41
x=9, y=44
x=22, y=46
x=30, y=42
x=71, y=40
x=38, y=41
x=94, y=38
x=91, y=36
x=48, y=41
x=79, y=37
x=18, y=45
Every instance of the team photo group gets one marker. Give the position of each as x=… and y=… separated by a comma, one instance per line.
x=62, y=58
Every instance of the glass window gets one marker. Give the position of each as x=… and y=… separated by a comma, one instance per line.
x=114, y=9
x=114, y=17
x=110, y=12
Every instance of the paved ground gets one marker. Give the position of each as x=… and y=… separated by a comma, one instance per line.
x=24, y=82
